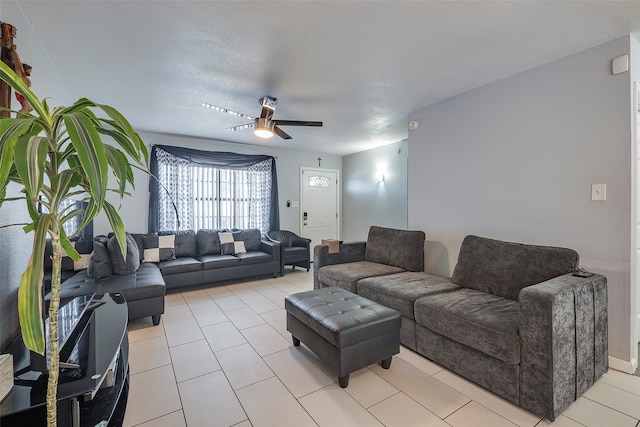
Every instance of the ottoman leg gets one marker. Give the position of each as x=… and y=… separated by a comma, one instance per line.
x=295, y=340
x=343, y=381
x=155, y=319
x=386, y=363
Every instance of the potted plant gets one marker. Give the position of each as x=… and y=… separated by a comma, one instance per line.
x=57, y=154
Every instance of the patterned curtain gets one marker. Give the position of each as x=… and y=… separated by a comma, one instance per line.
x=212, y=190
x=175, y=175
x=258, y=176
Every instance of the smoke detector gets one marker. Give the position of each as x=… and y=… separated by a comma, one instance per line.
x=413, y=124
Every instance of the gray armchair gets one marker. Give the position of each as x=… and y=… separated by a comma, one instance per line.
x=294, y=250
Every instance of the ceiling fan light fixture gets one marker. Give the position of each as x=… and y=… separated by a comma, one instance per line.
x=264, y=128
x=269, y=102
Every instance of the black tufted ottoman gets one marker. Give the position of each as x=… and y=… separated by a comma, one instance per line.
x=347, y=331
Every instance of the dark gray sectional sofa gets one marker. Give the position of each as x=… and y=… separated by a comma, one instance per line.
x=190, y=258
x=512, y=318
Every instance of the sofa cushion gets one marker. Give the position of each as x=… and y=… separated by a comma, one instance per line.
x=139, y=238
x=210, y=262
x=180, y=265
x=504, y=268
x=400, y=291
x=485, y=322
x=83, y=246
x=254, y=257
x=185, y=244
x=252, y=238
x=100, y=265
x=79, y=284
x=398, y=248
x=159, y=248
x=64, y=275
x=208, y=242
x=130, y=262
x=346, y=276
x=146, y=282
x=295, y=253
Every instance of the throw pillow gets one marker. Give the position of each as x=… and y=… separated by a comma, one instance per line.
x=233, y=248
x=100, y=264
x=159, y=248
x=84, y=249
x=229, y=245
x=139, y=238
x=131, y=262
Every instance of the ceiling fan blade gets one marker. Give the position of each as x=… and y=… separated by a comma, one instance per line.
x=282, y=134
x=224, y=110
x=242, y=127
x=296, y=123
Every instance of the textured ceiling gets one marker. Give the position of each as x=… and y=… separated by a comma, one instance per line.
x=361, y=67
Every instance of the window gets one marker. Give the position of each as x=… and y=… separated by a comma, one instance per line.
x=71, y=226
x=318, y=181
x=209, y=192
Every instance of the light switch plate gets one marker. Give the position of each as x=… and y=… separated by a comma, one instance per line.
x=598, y=191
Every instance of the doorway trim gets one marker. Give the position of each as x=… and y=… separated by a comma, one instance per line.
x=635, y=232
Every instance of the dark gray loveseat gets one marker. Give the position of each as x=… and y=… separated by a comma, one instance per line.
x=177, y=259
x=513, y=318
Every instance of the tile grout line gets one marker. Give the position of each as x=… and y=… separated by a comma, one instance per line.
x=606, y=406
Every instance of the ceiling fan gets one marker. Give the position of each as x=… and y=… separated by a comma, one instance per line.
x=264, y=126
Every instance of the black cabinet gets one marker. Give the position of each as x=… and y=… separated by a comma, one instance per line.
x=94, y=381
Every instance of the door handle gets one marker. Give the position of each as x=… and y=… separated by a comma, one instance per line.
x=304, y=216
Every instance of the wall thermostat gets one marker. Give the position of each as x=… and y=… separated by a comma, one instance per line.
x=620, y=64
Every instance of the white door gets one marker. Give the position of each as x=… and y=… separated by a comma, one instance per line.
x=320, y=205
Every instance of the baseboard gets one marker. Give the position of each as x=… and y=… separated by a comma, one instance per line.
x=628, y=367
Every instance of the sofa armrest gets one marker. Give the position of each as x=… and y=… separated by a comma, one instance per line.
x=349, y=252
x=302, y=242
x=271, y=247
x=563, y=328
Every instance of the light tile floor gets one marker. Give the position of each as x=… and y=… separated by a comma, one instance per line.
x=222, y=357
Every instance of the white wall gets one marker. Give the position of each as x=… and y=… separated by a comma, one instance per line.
x=515, y=160
x=366, y=202
x=135, y=209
